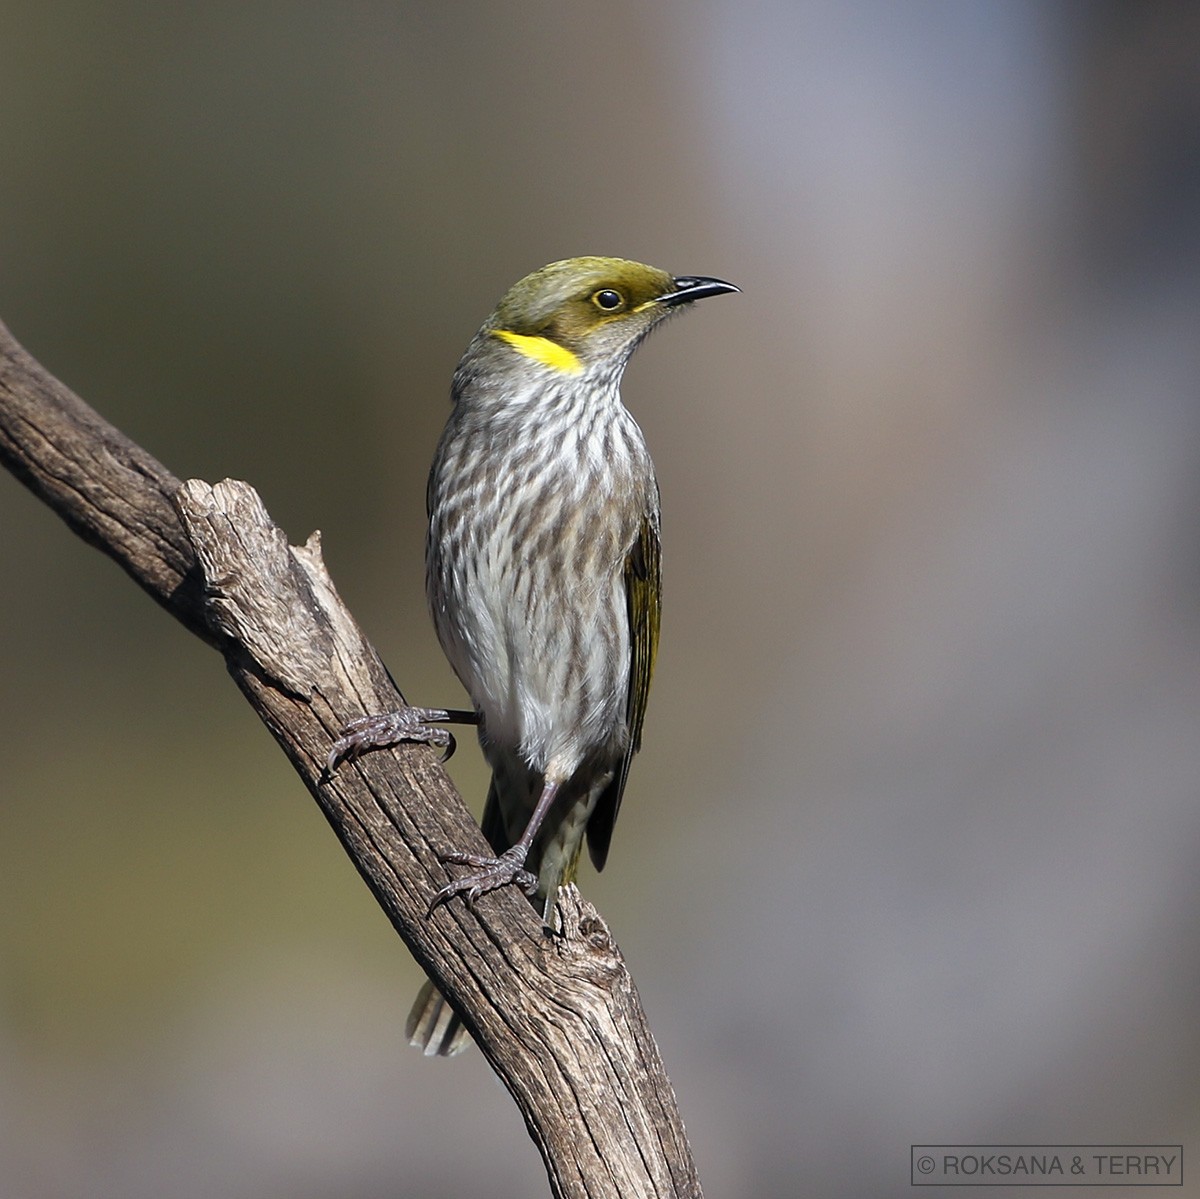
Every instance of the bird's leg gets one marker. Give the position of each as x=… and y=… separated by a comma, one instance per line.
x=391, y=728
x=509, y=867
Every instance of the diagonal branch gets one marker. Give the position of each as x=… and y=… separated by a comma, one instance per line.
x=558, y=1017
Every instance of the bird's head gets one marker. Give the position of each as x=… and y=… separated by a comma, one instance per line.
x=581, y=314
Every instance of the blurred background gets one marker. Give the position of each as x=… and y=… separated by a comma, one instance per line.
x=910, y=853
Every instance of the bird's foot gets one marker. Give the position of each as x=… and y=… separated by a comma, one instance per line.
x=490, y=874
x=391, y=728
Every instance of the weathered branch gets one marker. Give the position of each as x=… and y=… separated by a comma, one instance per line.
x=558, y=1017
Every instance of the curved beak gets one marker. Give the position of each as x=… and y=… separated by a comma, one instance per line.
x=695, y=287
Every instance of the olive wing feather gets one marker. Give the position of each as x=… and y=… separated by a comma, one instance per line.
x=643, y=594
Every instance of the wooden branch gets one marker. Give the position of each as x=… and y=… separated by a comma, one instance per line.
x=557, y=1017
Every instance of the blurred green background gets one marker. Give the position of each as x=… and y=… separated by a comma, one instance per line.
x=909, y=855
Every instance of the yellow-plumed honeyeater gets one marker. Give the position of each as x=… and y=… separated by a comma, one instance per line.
x=543, y=576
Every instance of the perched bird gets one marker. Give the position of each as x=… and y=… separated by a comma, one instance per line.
x=543, y=576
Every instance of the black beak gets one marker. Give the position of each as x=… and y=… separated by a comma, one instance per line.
x=695, y=287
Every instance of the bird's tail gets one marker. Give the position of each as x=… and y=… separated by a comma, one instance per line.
x=434, y=1027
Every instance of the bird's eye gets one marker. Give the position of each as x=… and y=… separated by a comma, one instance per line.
x=608, y=300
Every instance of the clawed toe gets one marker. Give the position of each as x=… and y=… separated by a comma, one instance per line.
x=490, y=874
x=388, y=728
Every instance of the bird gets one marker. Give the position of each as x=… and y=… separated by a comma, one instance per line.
x=543, y=578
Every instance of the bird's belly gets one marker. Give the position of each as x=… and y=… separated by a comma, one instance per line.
x=543, y=650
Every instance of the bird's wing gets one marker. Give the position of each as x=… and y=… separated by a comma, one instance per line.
x=643, y=593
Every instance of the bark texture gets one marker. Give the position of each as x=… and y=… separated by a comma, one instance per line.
x=557, y=1017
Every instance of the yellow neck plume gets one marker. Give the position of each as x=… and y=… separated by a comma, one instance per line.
x=542, y=349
